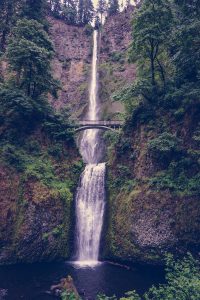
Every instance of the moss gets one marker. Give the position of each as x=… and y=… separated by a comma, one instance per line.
x=46, y=187
x=139, y=185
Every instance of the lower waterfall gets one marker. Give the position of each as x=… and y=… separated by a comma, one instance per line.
x=90, y=211
x=90, y=197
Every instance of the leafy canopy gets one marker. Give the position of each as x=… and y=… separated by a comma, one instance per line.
x=29, y=54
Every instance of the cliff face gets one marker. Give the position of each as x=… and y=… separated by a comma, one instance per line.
x=153, y=201
x=114, y=70
x=36, y=201
x=71, y=65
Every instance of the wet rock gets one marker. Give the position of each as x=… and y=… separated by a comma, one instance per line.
x=3, y=293
x=66, y=284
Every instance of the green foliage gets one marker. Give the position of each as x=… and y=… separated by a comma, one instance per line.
x=122, y=179
x=167, y=70
x=56, y=151
x=33, y=147
x=77, y=167
x=183, y=281
x=112, y=137
x=104, y=297
x=13, y=157
x=69, y=12
x=151, y=29
x=177, y=179
x=88, y=29
x=85, y=12
x=34, y=9
x=135, y=106
x=57, y=126
x=113, y=7
x=16, y=108
x=124, y=145
x=19, y=114
x=185, y=40
x=116, y=56
x=73, y=12
x=164, y=146
x=68, y=296
x=29, y=53
x=101, y=8
x=9, y=11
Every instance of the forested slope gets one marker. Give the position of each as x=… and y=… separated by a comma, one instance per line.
x=153, y=169
x=39, y=162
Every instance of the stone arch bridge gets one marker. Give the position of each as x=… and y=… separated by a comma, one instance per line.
x=94, y=124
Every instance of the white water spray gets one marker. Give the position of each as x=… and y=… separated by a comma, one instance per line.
x=90, y=197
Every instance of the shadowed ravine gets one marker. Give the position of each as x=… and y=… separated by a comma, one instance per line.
x=90, y=197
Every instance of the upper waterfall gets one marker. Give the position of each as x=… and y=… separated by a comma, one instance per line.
x=91, y=144
x=93, y=107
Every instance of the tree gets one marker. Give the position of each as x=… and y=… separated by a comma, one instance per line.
x=29, y=54
x=85, y=12
x=69, y=12
x=34, y=9
x=101, y=8
x=8, y=11
x=97, y=23
x=113, y=7
x=151, y=30
x=185, y=48
x=56, y=8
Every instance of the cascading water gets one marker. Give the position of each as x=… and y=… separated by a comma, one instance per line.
x=90, y=197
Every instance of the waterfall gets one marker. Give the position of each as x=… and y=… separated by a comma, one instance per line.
x=90, y=197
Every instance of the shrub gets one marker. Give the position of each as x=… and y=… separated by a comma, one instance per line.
x=14, y=157
x=88, y=29
x=183, y=281
x=116, y=56
x=68, y=296
x=56, y=151
x=164, y=147
x=33, y=147
x=15, y=107
x=123, y=145
x=57, y=126
x=112, y=137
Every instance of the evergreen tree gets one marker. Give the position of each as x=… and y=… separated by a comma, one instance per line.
x=151, y=30
x=85, y=12
x=56, y=8
x=97, y=23
x=8, y=12
x=69, y=12
x=29, y=54
x=34, y=9
x=113, y=7
x=185, y=46
x=101, y=8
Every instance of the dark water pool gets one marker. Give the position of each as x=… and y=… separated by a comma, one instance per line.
x=34, y=281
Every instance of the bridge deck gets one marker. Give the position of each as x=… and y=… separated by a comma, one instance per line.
x=94, y=123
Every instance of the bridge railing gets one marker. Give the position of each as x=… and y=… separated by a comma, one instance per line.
x=100, y=122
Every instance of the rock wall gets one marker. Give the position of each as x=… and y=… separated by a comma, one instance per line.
x=36, y=202
x=146, y=220
x=71, y=65
x=114, y=70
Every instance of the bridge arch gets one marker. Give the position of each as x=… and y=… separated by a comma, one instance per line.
x=82, y=128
